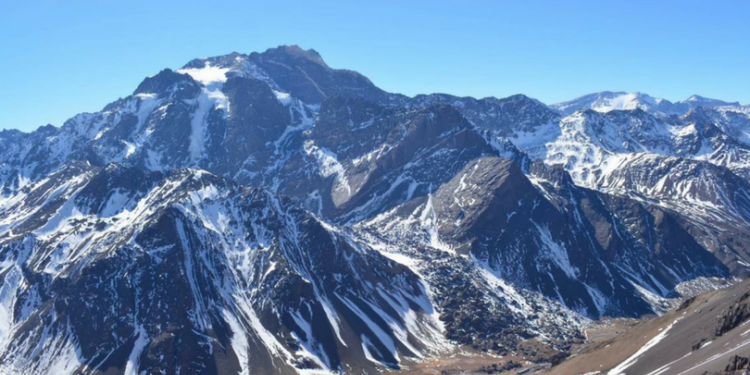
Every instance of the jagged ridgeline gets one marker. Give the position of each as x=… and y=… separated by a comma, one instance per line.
x=268, y=214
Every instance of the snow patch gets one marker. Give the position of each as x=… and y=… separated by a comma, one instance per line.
x=207, y=75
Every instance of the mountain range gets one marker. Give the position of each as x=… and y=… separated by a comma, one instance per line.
x=265, y=213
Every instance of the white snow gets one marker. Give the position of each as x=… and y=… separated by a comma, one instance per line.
x=208, y=74
x=282, y=97
x=211, y=97
x=131, y=368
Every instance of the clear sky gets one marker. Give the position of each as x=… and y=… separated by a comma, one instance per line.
x=62, y=57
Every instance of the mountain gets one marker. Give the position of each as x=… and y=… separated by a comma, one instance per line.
x=697, y=101
x=188, y=266
x=606, y=101
x=267, y=213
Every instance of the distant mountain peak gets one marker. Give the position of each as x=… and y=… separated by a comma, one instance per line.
x=697, y=100
x=297, y=51
x=606, y=101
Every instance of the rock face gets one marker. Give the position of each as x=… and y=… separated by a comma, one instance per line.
x=734, y=315
x=266, y=213
x=737, y=363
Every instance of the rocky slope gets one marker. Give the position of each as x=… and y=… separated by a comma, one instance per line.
x=707, y=334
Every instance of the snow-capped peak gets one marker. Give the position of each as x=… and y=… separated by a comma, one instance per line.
x=609, y=101
x=701, y=101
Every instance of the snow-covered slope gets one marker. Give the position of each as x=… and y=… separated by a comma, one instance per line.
x=695, y=165
x=120, y=268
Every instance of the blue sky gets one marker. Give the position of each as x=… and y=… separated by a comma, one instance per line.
x=60, y=57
